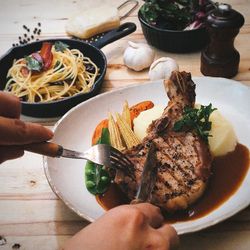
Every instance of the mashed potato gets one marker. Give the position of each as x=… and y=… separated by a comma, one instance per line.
x=222, y=141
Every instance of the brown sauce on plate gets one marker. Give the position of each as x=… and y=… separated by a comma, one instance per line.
x=228, y=172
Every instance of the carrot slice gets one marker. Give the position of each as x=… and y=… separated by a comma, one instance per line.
x=98, y=131
x=139, y=107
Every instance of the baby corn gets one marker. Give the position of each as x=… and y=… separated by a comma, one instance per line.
x=115, y=136
x=128, y=135
x=126, y=114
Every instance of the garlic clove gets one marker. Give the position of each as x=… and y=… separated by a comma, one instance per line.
x=138, y=56
x=162, y=68
x=133, y=45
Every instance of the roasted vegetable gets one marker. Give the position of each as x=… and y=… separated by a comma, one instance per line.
x=126, y=114
x=127, y=133
x=139, y=107
x=115, y=136
x=46, y=55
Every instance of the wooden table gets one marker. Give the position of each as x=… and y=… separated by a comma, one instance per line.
x=31, y=215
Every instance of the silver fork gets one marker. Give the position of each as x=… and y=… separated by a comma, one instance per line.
x=101, y=154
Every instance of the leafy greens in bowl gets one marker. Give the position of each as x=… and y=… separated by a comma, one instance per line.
x=175, y=26
x=176, y=15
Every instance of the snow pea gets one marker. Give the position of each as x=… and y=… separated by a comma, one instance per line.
x=97, y=179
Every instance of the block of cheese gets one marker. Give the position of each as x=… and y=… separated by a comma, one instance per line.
x=93, y=21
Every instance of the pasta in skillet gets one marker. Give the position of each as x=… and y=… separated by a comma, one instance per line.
x=53, y=73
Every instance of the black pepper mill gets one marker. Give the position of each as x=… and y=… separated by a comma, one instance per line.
x=220, y=58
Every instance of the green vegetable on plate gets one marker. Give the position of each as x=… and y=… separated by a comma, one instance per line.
x=97, y=179
x=196, y=120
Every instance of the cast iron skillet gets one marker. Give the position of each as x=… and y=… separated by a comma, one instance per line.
x=58, y=108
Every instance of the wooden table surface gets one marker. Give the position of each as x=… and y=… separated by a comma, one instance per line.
x=31, y=215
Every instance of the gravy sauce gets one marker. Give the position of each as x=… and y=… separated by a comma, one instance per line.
x=228, y=172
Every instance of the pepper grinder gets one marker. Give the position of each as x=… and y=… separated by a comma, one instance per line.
x=220, y=58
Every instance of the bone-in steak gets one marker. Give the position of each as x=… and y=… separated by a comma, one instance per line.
x=183, y=159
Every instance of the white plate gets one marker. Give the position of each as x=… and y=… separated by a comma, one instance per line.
x=74, y=131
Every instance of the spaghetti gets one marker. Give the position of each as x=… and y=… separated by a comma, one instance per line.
x=69, y=73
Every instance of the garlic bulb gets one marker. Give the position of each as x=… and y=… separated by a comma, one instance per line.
x=138, y=56
x=162, y=68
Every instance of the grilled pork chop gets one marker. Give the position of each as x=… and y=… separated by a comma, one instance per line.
x=183, y=160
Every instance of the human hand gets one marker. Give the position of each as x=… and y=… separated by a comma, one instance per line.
x=127, y=227
x=14, y=132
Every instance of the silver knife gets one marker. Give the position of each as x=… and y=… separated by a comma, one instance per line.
x=148, y=177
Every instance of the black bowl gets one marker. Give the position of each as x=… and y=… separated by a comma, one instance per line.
x=59, y=107
x=173, y=40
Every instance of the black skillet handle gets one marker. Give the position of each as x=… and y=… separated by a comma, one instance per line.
x=115, y=34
